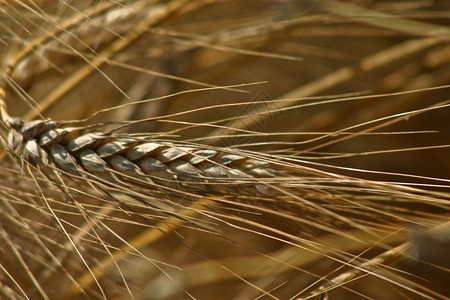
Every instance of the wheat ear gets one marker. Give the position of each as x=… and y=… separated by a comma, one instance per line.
x=74, y=150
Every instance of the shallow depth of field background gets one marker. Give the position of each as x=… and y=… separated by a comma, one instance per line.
x=284, y=53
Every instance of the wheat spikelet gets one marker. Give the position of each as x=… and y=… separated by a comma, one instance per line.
x=72, y=150
x=159, y=190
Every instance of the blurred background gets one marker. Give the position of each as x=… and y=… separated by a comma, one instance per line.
x=303, y=69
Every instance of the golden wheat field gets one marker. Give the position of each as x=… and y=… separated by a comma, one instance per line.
x=212, y=149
